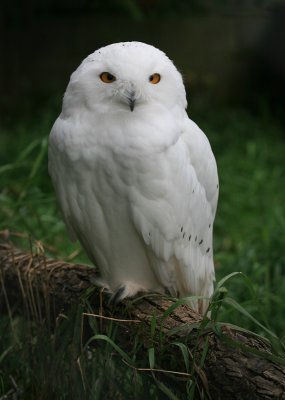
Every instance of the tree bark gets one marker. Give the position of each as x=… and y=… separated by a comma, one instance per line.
x=229, y=363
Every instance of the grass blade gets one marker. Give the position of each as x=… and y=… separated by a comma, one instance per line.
x=105, y=338
x=185, y=354
x=238, y=307
x=151, y=357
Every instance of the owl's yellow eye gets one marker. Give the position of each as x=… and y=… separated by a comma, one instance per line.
x=154, y=78
x=106, y=77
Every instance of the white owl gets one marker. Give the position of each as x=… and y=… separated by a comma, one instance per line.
x=136, y=179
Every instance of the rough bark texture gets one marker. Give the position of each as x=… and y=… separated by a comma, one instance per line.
x=236, y=366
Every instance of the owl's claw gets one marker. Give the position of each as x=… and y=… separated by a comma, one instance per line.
x=118, y=295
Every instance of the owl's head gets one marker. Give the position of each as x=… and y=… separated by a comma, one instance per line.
x=126, y=77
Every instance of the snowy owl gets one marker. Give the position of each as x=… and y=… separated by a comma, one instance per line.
x=135, y=178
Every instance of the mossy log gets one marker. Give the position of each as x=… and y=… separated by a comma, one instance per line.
x=236, y=364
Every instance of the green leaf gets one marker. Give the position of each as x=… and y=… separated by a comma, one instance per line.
x=5, y=353
x=225, y=279
x=6, y=167
x=151, y=357
x=166, y=390
x=39, y=158
x=185, y=354
x=105, y=338
x=237, y=306
x=205, y=352
x=27, y=150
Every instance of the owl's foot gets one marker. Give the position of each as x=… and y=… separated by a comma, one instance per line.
x=117, y=296
x=127, y=289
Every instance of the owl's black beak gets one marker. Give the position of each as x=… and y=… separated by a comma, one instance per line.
x=132, y=104
x=132, y=100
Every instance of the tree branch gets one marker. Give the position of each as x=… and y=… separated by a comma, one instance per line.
x=236, y=365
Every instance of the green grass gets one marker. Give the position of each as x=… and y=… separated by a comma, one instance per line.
x=249, y=237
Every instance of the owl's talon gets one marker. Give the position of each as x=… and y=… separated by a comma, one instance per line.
x=118, y=295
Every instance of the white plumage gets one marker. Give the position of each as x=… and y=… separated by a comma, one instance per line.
x=136, y=179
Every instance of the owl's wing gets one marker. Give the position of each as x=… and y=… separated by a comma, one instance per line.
x=175, y=215
x=58, y=171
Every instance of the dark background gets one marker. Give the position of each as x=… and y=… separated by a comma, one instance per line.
x=230, y=52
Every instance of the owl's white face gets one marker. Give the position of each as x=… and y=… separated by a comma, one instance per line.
x=126, y=77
